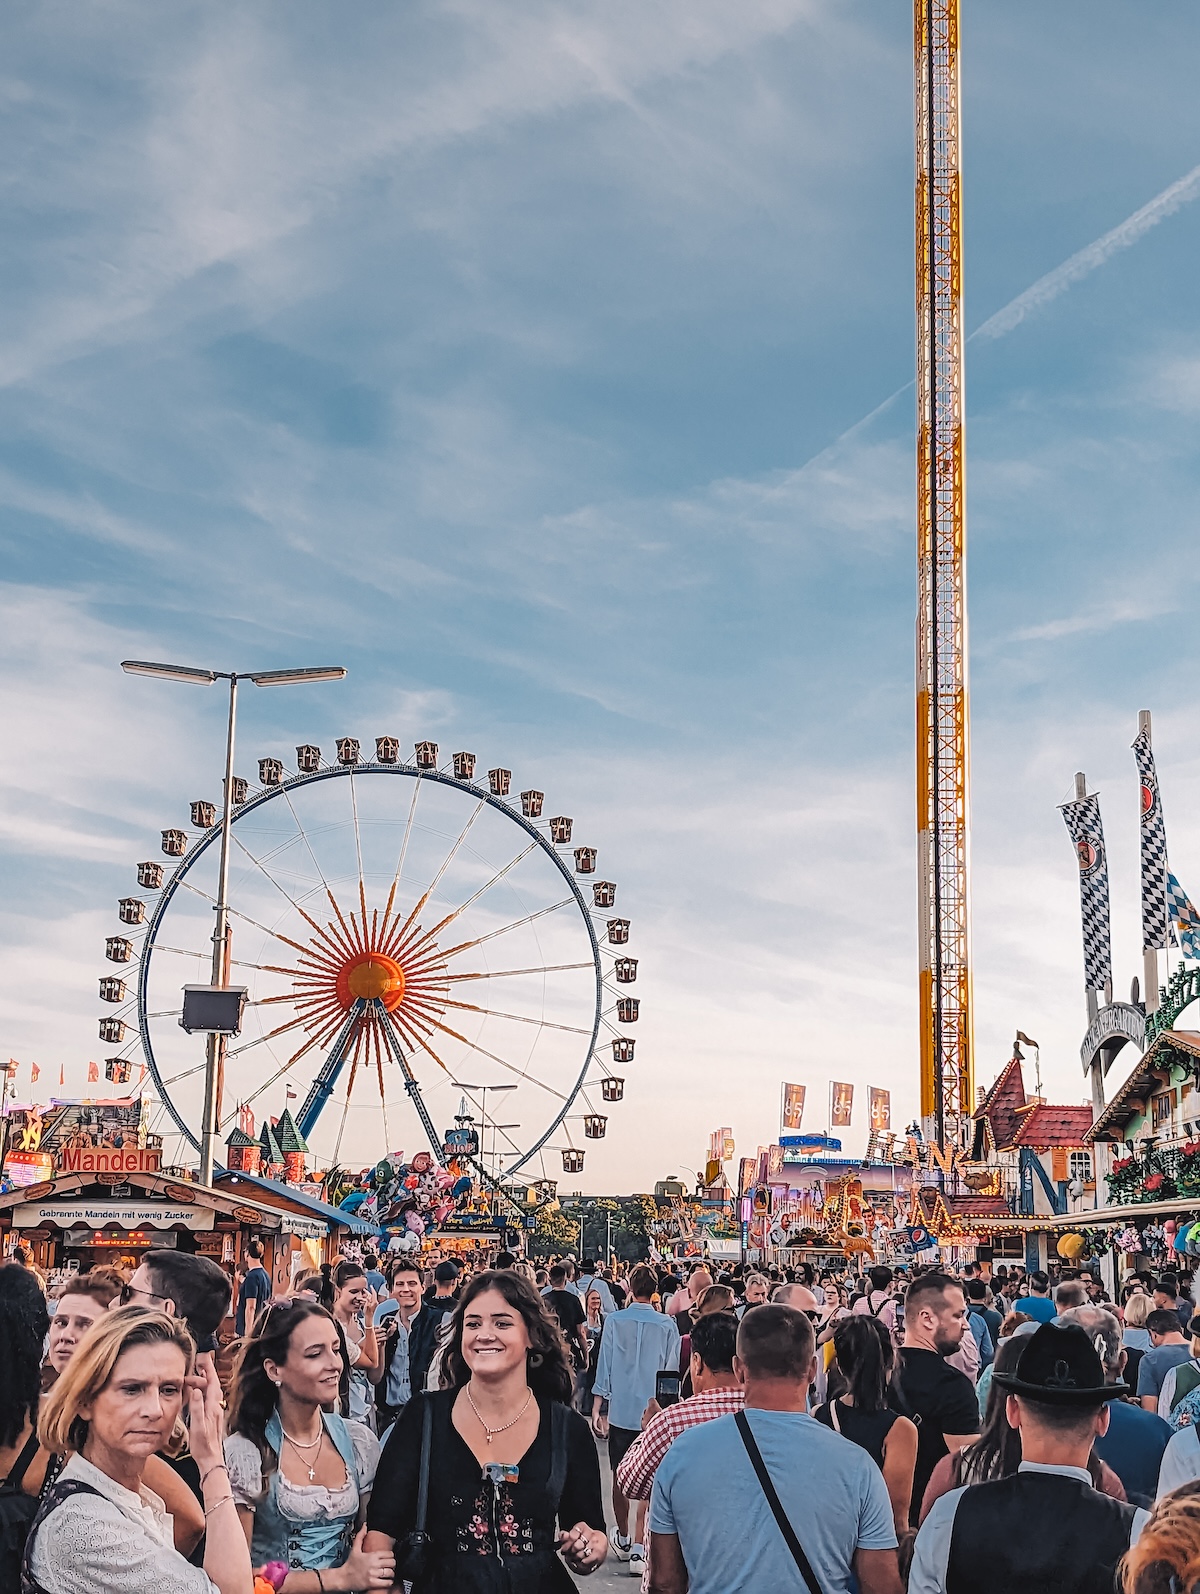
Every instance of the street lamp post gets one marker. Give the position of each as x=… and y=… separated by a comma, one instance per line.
x=214, y=1073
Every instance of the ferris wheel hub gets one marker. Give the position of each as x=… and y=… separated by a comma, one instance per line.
x=373, y=977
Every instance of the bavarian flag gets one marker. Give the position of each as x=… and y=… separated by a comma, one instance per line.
x=1185, y=920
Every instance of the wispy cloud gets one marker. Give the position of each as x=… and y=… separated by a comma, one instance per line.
x=1081, y=264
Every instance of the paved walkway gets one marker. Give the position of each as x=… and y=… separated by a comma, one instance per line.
x=614, y=1573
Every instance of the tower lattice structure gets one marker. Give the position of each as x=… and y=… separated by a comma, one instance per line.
x=943, y=746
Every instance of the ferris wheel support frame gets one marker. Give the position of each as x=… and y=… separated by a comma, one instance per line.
x=322, y=1086
x=334, y=772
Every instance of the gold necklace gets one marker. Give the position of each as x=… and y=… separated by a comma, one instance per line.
x=504, y=1426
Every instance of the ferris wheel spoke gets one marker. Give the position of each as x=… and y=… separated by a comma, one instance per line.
x=517, y=1018
x=362, y=895
x=186, y=1074
x=282, y=1029
x=506, y=974
x=429, y=935
x=337, y=1145
x=313, y=1040
x=442, y=867
x=236, y=913
x=303, y=834
x=512, y=1068
x=408, y=824
x=318, y=929
x=352, y=937
x=465, y=946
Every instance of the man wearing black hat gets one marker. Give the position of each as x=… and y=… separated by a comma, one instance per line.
x=1045, y=1529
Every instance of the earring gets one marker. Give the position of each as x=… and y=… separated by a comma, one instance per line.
x=535, y=1358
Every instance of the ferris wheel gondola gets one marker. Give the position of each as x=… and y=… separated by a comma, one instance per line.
x=407, y=936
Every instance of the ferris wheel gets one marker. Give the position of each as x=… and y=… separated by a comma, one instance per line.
x=409, y=938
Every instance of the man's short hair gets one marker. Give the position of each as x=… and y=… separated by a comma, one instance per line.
x=1039, y=1281
x=643, y=1281
x=776, y=1342
x=558, y=1276
x=504, y=1260
x=976, y=1290
x=1065, y=1420
x=445, y=1273
x=714, y=1340
x=99, y=1289
x=406, y=1264
x=881, y=1277
x=1069, y=1295
x=1167, y=1287
x=928, y=1290
x=200, y=1289
x=255, y=1250
x=1163, y=1321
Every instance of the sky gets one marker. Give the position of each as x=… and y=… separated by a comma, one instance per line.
x=546, y=365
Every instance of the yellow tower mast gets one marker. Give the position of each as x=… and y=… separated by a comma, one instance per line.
x=943, y=749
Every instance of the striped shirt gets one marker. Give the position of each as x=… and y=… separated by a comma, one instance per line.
x=635, y=1475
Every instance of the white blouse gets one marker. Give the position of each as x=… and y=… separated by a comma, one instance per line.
x=119, y=1544
x=303, y=1502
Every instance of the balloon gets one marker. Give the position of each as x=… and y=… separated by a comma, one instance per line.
x=1071, y=1246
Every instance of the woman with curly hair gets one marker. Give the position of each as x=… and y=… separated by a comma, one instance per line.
x=299, y=1472
x=514, y=1478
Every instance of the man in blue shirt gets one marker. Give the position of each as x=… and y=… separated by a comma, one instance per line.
x=1037, y=1304
x=638, y=1343
x=1134, y=1444
x=712, y=1527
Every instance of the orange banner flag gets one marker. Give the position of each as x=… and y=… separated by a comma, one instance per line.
x=93, y=1073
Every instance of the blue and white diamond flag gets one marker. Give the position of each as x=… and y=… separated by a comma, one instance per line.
x=1154, y=847
x=1087, y=832
x=1185, y=918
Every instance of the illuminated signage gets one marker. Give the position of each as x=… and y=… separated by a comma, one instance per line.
x=28, y=1167
x=103, y=1214
x=109, y=1159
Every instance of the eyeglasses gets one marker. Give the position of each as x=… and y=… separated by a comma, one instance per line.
x=128, y=1291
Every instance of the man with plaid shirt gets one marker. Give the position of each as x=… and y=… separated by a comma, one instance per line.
x=717, y=1392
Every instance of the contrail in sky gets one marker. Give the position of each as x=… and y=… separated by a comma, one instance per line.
x=1079, y=265
x=1093, y=256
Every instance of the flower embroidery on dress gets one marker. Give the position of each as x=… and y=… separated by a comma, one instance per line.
x=515, y=1534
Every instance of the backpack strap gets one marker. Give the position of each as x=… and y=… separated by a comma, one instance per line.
x=773, y=1500
x=62, y=1489
x=16, y=1473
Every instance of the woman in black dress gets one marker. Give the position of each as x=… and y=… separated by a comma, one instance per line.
x=514, y=1478
x=864, y=1356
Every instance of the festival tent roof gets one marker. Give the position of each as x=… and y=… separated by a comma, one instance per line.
x=318, y=1208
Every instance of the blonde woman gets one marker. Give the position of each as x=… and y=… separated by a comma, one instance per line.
x=119, y=1400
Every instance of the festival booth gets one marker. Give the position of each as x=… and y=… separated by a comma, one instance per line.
x=113, y=1207
x=308, y=1231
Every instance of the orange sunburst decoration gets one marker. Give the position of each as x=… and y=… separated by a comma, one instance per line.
x=354, y=956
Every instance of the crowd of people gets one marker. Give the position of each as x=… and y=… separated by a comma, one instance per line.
x=441, y=1429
